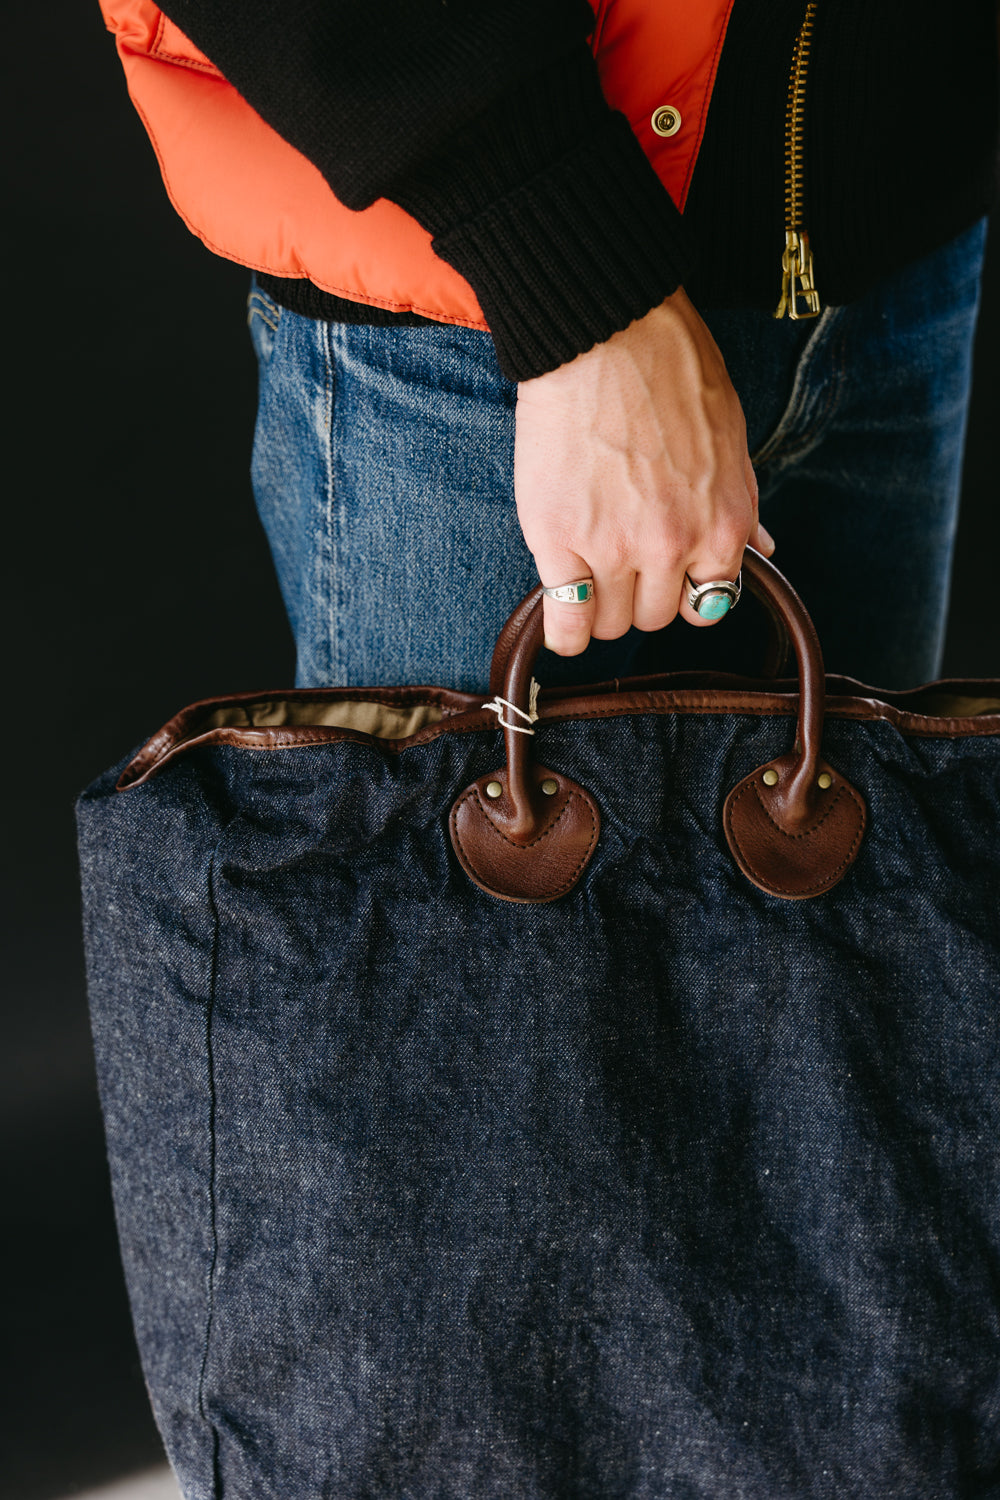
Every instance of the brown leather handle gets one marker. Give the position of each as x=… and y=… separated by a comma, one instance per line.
x=794, y=826
x=775, y=654
x=521, y=640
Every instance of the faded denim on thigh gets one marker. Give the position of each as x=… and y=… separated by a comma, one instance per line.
x=383, y=473
x=383, y=476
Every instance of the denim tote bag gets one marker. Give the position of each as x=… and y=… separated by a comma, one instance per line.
x=561, y=1096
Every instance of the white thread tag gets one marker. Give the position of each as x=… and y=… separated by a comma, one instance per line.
x=498, y=705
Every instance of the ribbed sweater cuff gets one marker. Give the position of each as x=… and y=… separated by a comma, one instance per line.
x=557, y=220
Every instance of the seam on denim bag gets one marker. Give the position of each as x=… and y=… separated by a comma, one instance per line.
x=328, y=552
x=213, y=1225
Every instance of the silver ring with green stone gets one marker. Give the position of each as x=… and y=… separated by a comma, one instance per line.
x=713, y=600
x=580, y=592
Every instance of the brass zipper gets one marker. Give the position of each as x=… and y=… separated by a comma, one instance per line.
x=799, y=297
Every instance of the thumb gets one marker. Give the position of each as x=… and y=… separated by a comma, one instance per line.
x=761, y=540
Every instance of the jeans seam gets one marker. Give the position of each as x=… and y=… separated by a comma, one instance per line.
x=258, y=312
x=268, y=311
x=212, y=1179
x=781, y=445
x=811, y=434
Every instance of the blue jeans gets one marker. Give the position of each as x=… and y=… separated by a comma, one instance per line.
x=383, y=475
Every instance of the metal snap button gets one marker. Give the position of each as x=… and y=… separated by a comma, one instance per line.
x=666, y=120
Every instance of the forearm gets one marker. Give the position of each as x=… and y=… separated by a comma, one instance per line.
x=630, y=457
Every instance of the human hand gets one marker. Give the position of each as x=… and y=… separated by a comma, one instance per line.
x=631, y=467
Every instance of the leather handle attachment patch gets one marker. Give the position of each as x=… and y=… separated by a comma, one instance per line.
x=535, y=858
x=794, y=842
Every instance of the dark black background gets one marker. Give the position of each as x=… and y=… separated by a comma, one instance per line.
x=137, y=579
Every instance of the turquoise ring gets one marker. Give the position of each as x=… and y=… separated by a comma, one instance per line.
x=579, y=592
x=713, y=600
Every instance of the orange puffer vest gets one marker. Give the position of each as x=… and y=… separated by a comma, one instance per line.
x=254, y=199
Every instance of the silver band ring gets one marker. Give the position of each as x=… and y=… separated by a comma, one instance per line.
x=714, y=599
x=579, y=592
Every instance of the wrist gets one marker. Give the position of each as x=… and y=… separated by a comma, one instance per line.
x=551, y=211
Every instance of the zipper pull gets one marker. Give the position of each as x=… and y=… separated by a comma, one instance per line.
x=797, y=278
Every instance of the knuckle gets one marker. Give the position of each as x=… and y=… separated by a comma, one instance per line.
x=728, y=538
x=678, y=542
x=560, y=647
x=612, y=631
x=665, y=555
x=655, y=619
x=566, y=634
x=614, y=550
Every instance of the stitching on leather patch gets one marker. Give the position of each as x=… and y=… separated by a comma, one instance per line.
x=807, y=833
x=814, y=889
x=525, y=848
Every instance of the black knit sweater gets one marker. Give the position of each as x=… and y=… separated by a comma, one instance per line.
x=484, y=119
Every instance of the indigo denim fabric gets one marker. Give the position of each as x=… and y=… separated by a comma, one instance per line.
x=383, y=472
x=669, y=1190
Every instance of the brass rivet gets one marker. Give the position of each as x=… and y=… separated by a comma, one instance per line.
x=770, y=778
x=494, y=789
x=550, y=786
x=666, y=120
x=826, y=781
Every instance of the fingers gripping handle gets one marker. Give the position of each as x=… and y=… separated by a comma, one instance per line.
x=794, y=826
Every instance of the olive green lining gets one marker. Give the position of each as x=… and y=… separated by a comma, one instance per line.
x=393, y=722
x=384, y=720
x=942, y=704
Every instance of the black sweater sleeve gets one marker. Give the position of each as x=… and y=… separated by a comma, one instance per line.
x=484, y=119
